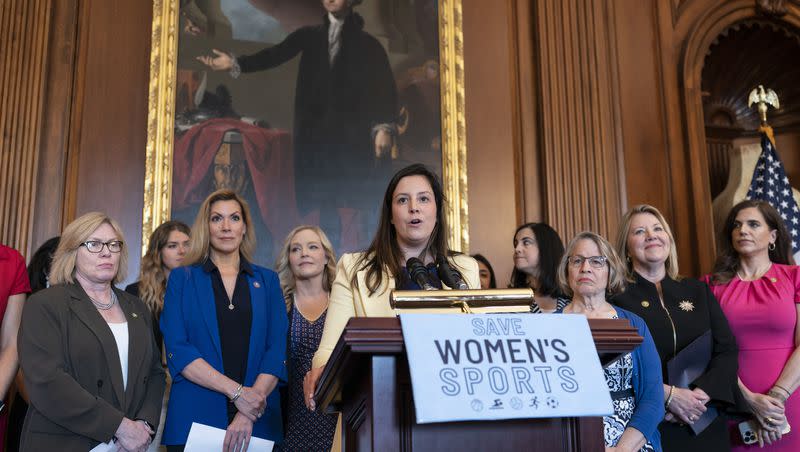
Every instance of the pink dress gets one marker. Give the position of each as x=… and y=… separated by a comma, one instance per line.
x=763, y=317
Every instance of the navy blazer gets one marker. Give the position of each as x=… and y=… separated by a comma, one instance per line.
x=191, y=331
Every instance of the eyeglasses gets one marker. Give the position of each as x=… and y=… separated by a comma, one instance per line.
x=95, y=246
x=594, y=261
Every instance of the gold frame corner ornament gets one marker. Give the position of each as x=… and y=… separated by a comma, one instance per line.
x=161, y=118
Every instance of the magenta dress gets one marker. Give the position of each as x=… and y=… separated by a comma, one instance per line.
x=763, y=317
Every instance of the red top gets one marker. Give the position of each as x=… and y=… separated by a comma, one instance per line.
x=13, y=277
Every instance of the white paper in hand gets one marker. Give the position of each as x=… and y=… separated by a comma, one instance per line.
x=105, y=447
x=204, y=438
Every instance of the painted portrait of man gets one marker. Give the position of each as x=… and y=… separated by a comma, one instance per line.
x=349, y=82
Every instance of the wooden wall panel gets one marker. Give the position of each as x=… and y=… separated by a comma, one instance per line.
x=578, y=142
x=109, y=116
x=48, y=211
x=490, y=134
x=647, y=175
x=24, y=30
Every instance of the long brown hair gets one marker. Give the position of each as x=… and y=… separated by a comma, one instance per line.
x=198, y=252
x=152, y=277
x=384, y=252
x=551, y=249
x=284, y=270
x=727, y=263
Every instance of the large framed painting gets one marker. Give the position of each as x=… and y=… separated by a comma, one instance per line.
x=304, y=107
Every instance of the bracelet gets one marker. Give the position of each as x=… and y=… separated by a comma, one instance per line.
x=669, y=398
x=782, y=397
x=237, y=393
x=782, y=389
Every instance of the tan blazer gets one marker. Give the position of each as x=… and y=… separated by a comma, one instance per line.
x=72, y=370
x=346, y=302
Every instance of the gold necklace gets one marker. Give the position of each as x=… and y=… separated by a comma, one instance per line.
x=759, y=273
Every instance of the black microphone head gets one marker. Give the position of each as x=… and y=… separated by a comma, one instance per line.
x=445, y=272
x=419, y=273
x=449, y=276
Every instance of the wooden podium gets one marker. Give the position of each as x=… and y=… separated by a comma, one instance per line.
x=367, y=380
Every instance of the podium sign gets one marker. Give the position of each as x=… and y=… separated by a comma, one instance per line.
x=503, y=366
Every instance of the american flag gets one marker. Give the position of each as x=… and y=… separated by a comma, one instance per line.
x=771, y=184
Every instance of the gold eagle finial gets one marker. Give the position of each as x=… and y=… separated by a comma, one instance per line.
x=763, y=97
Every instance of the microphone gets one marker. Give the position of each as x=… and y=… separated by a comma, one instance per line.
x=419, y=273
x=449, y=276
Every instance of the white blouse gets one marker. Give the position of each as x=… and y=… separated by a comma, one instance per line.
x=120, y=332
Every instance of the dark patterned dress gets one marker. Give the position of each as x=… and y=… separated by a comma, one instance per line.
x=618, y=378
x=561, y=303
x=306, y=430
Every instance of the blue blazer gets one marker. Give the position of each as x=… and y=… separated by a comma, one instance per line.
x=648, y=384
x=191, y=331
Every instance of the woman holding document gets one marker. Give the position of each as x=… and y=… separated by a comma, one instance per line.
x=680, y=313
x=758, y=287
x=224, y=325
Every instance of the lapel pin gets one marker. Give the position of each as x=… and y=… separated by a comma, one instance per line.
x=645, y=304
x=774, y=280
x=133, y=314
x=686, y=305
x=256, y=284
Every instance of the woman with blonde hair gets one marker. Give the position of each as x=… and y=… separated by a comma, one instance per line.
x=678, y=311
x=306, y=267
x=224, y=325
x=91, y=366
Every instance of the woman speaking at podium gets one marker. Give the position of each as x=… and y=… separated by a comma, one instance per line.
x=412, y=225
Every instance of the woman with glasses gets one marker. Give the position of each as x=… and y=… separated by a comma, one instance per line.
x=590, y=271
x=537, y=251
x=224, y=325
x=678, y=311
x=91, y=366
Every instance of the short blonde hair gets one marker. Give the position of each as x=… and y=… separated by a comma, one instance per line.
x=616, y=271
x=671, y=264
x=62, y=270
x=284, y=270
x=200, y=240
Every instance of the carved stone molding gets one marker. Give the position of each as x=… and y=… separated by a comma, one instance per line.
x=774, y=8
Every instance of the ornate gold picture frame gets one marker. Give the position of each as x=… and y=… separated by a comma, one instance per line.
x=166, y=31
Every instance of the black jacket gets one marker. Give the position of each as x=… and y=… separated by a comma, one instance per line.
x=694, y=310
